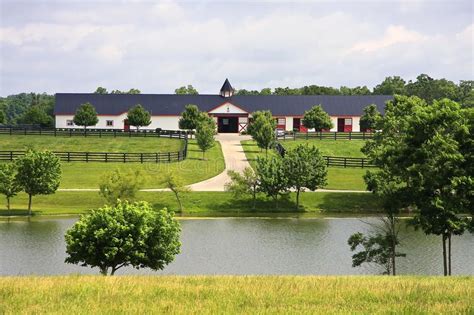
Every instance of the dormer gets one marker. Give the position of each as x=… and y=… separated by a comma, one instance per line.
x=227, y=90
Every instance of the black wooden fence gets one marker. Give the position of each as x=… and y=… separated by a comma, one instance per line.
x=108, y=157
x=66, y=132
x=326, y=136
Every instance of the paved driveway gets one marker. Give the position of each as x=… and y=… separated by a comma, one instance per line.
x=234, y=158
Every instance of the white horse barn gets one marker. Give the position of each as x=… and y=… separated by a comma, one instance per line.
x=231, y=112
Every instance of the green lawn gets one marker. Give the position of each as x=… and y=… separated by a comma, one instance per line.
x=201, y=203
x=90, y=144
x=346, y=148
x=236, y=295
x=338, y=178
x=192, y=170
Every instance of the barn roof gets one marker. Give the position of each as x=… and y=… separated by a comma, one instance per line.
x=172, y=104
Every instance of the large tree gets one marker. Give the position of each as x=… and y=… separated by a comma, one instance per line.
x=36, y=115
x=186, y=90
x=370, y=118
x=190, y=117
x=317, y=118
x=391, y=86
x=86, y=115
x=138, y=116
x=3, y=118
x=123, y=235
x=427, y=151
x=205, y=132
x=38, y=173
x=305, y=167
x=431, y=89
x=8, y=185
x=272, y=178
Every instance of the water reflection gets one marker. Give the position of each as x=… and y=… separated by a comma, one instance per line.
x=239, y=246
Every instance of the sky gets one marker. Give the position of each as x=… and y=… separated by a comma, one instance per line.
x=157, y=46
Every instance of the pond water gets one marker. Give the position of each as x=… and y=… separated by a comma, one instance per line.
x=239, y=246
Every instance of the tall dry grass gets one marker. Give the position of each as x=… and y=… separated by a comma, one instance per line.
x=236, y=294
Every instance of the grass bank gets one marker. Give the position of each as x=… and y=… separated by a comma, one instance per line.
x=203, y=203
x=338, y=178
x=90, y=144
x=236, y=294
x=192, y=170
x=347, y=148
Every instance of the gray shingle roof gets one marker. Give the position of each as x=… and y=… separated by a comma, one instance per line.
x=171, y=104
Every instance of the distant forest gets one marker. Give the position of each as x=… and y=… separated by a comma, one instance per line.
x=37, y=109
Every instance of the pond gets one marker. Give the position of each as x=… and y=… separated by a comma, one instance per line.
x=239, y=246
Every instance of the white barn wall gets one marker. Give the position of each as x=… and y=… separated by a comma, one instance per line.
x=289, y=123
x=163, y=122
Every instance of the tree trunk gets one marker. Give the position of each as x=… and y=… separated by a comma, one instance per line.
x=85, y=131
x=104, y=271
x=179, y=201
x=29, y=204
x=254, y=199
x=297, y=198
x=449, y=254
x=203, y=155
x=8, y=203
x=276, y=202
x=445, y=266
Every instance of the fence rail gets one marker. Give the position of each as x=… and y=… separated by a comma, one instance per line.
x=60, y=132
x=327, y=135
x=108, y=157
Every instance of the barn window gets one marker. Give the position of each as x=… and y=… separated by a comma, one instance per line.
x=281, y=121
x=109, y=123
x=70, y=122
x=348, y=122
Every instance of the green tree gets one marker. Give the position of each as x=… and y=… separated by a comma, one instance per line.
x=391, y=86
x=427, y=149
x=123, y=185
x=266, y=91
x=245, y=184
x=431, y=89
x=175, y=183
x=317, y=118
x=138, y=116
x=127, y=234
x=272, y=177
x=305, y=167
x=466, y=92
x=190, y=117
x=358, y=90
x=133, y=91
x=38, y=173
x=3, y=118
x=8, y=184
x=101, y=90
x=262, y=129
x=85, y=116
x=376, y=249
x=205, y=132
x=186, y=90
x=370, y=118
x=36, y=115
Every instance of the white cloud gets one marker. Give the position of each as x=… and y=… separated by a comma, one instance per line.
x=394, y=35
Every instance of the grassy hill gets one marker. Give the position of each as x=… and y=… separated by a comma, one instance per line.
x=236, y=295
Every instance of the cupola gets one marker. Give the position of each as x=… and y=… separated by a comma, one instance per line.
x=227, y=90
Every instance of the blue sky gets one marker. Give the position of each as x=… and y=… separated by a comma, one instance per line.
x=75, y=46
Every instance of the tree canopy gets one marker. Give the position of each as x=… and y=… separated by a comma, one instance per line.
x=370, y=118
x=317, y=118
x=262, y=129
x=138, y=116
x=38, y=173
x=186, y=90
x=190, y=117
x=86, y=116
x=205, y=132
x=123, y=185
x=273, y=180
x=127, y=234
x=9, y=186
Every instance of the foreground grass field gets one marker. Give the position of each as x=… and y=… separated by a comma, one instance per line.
x=90, y=144
x=236, y=295
x=338, y=178
x=191, y=170
x=202, y=204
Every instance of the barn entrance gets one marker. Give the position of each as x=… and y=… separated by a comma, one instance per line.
x=229, y=124
x=344, y=124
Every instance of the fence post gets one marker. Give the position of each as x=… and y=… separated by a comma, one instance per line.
x=156, y=157
x=363, y=135
x=106, y=157
x=11, y=155
x=335, y=135
x=345, y=162
x=169, y=156
x=69, y=156
x=100, y=133
x=10, y=131
x=87, y=157
x=115, y=133
x=141, y=157
x=124, y=157
x=350, y=135
x=363, y=162
x=306, y=134
x=55, y=132
x=25, y=131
